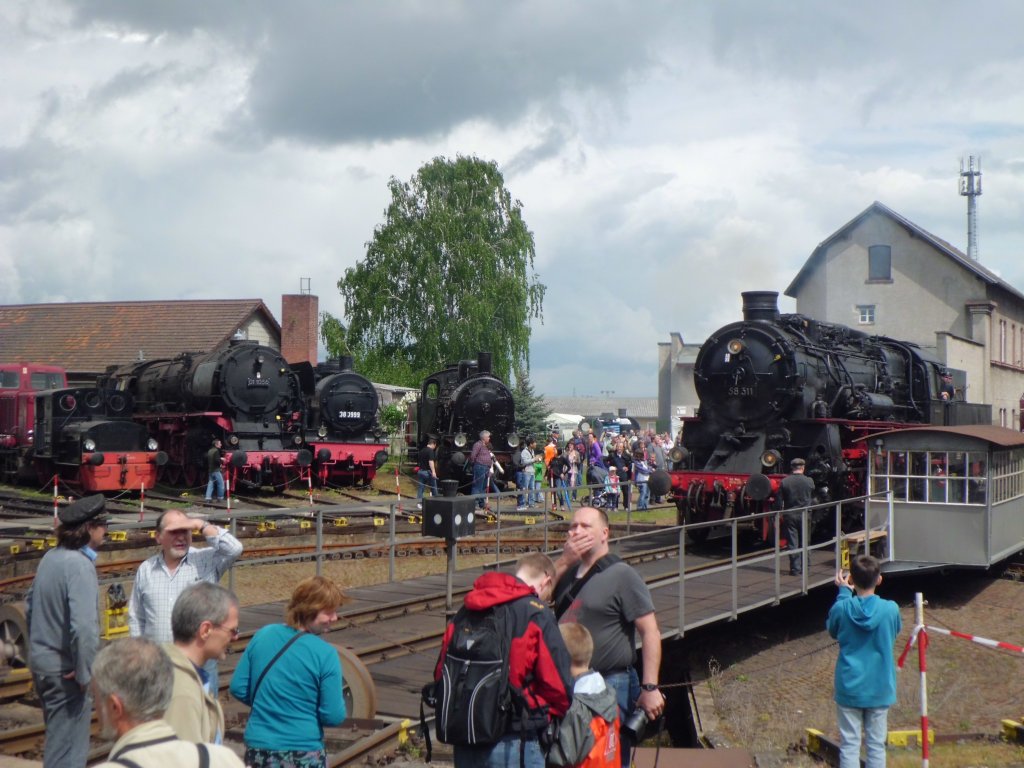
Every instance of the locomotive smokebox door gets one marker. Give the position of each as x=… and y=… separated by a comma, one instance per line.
x=449, y=517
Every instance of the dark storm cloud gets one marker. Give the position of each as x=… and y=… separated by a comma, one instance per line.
x=128, y=83
x=358, y=71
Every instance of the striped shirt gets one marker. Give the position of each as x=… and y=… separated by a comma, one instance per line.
x=156, y=589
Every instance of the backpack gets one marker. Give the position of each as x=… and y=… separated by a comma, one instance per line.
x=473, y=699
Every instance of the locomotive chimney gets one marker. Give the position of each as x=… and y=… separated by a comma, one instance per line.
x=299, y=314
x=483, y=362
x=622, y=413
x=760, y=305
x=345, y=364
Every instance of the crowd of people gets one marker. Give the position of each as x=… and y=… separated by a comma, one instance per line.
x=156, y=692
x=614, y=464
x=583, y=695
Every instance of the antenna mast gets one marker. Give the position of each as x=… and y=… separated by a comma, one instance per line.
x=970, y=187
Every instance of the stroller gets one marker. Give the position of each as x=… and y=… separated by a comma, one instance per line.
x=608, y=497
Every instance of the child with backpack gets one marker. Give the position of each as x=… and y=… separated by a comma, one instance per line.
x=588, y=736
x=503, y=672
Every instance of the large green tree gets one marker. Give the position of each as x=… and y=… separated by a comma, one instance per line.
x=448, y=273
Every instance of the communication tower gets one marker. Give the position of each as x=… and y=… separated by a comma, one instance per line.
x=970, y=187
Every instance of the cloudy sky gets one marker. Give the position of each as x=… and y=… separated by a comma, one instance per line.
x=667, y=154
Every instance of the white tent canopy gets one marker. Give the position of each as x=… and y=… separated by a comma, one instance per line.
x=563, y=422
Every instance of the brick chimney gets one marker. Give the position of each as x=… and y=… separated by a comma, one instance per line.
x=299, y=316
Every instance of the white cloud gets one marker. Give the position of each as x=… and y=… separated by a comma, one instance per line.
x=667, y=155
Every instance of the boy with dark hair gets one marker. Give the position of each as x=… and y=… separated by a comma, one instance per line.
x=866, y=626
x=588, y=736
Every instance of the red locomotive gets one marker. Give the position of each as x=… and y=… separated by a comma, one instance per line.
x=83, y=435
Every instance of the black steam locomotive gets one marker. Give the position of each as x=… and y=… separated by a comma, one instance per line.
x=777, y=387
x=455, y=405
x=245, y=394
x=343, y=430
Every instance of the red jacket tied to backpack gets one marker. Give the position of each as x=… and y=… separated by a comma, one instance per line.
x=538, y=664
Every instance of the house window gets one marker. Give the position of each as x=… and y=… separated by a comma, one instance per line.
x=1002, y=417
x=866, y=313
x=880, y=262
x=1002, y=342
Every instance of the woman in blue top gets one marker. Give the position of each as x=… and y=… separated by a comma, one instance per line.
x=291, y=678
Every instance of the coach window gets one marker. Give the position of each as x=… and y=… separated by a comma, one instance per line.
x=977, y=478
x=866, y=314
x=918, y=476
x=880, y=263
x=41, y=381
x=1007, y=471
x=8, y=379
x=937, y=477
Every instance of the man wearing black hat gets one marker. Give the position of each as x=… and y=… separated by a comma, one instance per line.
x=795, y=493
x=63, y=629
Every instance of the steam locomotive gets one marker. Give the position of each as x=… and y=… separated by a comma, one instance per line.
x=82, y=435
x=246, y=394
x=343, y=430
x=455, y=405
x=774, y=387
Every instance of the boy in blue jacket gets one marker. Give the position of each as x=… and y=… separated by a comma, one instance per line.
x=865, y=679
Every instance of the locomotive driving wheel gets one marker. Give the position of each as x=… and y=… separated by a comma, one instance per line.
x=359, y=692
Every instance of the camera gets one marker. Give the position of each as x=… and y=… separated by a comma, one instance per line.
x=636, y=726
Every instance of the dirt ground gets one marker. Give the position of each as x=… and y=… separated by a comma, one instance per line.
x=770, y=677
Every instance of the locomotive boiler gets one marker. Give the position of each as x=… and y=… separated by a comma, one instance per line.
x=343, y=429
x=455, y=405
x=245, y=394
x=777, y=387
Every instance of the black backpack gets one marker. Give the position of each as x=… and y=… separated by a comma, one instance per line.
x=473, y=700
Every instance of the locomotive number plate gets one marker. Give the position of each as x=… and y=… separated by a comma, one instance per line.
x=350, y=415
x=749, y=391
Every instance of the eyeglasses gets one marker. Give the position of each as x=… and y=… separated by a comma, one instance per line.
x=233, y=631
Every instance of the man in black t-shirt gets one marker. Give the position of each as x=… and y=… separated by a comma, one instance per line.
x=427, y=472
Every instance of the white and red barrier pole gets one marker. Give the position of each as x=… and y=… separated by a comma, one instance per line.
x=309, y=476
x=922, y=650
x=142, y=502
x=55, y=501
x=398, y=489
x=227, y=490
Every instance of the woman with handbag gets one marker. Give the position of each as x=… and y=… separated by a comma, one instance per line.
x=291, y=678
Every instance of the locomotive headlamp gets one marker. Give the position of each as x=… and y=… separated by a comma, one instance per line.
x=770, y=458
x=322, y=431
x=89, y=444
x=460, y=440
x=513, y=440
x=151, y=444
x=233, y=440
x=735, y=346
x=296, y=439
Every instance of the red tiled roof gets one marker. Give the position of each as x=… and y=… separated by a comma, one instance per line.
x=90, y=336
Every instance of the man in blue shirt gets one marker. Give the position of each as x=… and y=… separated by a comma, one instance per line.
x=865, y=678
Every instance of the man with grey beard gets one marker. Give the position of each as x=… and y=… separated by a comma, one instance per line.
x=132, y=681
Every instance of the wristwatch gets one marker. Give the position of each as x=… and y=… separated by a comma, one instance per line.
x=649, y=687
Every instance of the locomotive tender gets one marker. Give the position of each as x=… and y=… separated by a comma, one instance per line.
x=774, y=387
x=246, y=394
x=343, y=430
x=455, y=405
x=82, y=435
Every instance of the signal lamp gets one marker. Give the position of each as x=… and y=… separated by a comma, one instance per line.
x=770, y=458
